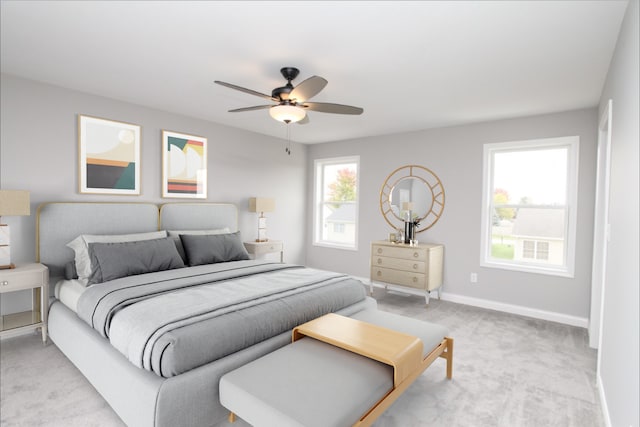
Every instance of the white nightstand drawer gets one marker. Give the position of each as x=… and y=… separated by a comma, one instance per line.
x=258, y=249
x=17, y=279
x=267, y=248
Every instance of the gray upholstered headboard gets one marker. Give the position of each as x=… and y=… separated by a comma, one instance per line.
x=60, y=222
x=198, y=216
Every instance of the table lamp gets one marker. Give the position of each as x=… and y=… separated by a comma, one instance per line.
x=12, y=203
x=262, y=205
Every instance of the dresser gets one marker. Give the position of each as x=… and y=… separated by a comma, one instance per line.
x=418, y=267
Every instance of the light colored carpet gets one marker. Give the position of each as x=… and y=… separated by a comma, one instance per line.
x=508, y=371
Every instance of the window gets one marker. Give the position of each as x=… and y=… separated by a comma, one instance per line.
x=529, y=205
x=533, y=249
x=336, y=202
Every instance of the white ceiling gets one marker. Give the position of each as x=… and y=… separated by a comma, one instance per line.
x=410, y=65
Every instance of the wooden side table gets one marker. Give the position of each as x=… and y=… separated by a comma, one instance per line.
x=24, y=277
x=261, y=248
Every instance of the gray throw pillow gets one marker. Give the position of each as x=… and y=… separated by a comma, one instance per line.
x=111, y=261
x=70, y=272
x=210, y=249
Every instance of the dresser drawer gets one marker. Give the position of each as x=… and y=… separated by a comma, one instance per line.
x=415, y=254
x=405, y=278
x=398, y=264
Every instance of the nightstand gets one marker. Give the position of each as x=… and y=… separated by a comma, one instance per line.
x=260, y=248
x=24, y=277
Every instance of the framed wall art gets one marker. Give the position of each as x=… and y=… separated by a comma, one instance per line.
x=109, y=156
x=184, y=165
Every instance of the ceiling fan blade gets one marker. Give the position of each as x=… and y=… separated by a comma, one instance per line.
x=307, y=89
x=257, y=107
x=325, y=107
x=245, y=90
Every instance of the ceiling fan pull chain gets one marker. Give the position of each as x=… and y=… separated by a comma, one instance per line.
x=288, y=149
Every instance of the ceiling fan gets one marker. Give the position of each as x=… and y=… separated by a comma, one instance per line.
x=292, y=102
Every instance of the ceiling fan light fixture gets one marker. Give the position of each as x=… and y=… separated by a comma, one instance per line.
x=287, y=113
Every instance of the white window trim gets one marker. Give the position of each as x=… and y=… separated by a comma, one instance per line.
x=317, y=183
x=567, y=270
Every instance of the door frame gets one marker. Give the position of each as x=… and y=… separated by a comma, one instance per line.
x=601, y=229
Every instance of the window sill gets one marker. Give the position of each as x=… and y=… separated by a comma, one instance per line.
x=335, y=246
x=529, y=269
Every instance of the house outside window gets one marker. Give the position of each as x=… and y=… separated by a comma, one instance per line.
x=529, y=205
x=336, y=202
x=339, y=227
x=534, y=249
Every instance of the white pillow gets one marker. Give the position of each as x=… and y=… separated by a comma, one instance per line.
x=80, y=246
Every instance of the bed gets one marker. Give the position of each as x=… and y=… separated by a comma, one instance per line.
x=160, y=375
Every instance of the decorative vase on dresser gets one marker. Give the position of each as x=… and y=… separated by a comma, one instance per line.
x=413, y=266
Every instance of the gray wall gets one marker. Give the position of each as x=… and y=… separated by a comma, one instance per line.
x=455, y=155
x=619, y=360
x=39, y=153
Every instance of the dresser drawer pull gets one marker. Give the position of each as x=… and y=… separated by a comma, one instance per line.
x=416, y=254
x=415, y=279
x=379, y=250
x=4, y=283
x=379, y=260
x=415, y=266
x=379, y=273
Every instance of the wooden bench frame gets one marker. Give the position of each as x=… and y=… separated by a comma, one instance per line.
x=401, y=351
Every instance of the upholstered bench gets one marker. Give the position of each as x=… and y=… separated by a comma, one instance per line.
x=338, y=371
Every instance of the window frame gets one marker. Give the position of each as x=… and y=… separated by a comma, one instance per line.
x=572, y=144
x=318, y=200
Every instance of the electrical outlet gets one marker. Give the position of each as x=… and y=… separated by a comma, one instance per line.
x=474, y=278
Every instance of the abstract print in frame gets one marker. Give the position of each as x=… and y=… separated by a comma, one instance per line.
x=109, y=156
x=184, y=165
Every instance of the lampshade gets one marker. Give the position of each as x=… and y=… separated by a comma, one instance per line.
x=14, y=203
x=261, y=204
x=287, y=113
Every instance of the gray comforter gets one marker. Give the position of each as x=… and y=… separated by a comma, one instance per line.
x=172, y=321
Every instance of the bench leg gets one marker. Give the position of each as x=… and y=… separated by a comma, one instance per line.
x=232, y=417
x=449, y=357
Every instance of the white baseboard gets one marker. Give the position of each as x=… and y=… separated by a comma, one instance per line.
x=551, y=316
x=603, y=401
x=535, y=313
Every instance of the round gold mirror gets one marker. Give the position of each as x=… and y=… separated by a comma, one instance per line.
x=414, y=191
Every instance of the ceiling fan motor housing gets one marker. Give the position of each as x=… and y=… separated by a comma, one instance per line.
x=288, y=73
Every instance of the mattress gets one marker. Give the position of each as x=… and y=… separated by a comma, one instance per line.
x=69, y=292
